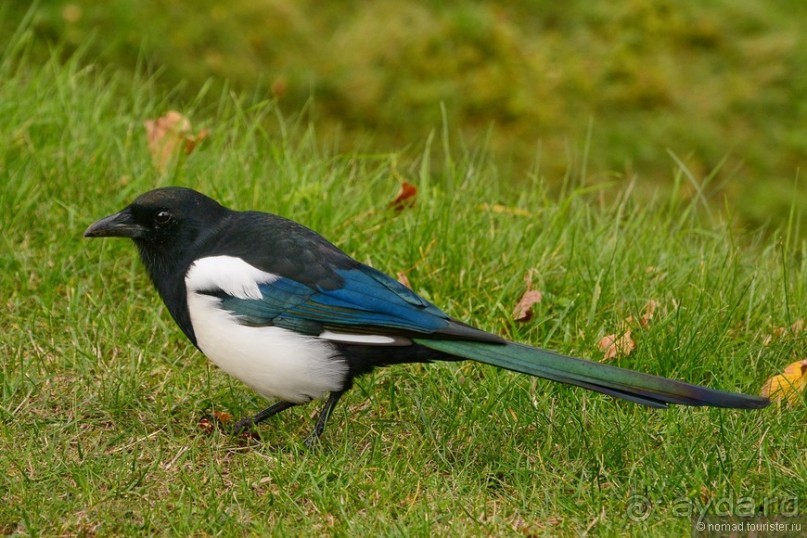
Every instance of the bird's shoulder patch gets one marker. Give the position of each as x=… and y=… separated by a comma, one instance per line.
x=228, y=274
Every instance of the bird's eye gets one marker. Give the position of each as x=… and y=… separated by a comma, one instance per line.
x=162, y=217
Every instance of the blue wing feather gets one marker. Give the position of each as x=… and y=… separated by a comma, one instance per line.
x=368, y=300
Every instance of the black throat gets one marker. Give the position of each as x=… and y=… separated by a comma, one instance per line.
x=167, y=273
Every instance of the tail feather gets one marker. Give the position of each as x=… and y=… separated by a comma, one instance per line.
x=637, y=387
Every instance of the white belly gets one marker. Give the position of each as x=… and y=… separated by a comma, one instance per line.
x=275, y=362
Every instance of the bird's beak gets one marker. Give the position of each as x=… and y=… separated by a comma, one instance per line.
x=118, y=225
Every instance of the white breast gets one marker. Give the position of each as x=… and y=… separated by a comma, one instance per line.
x=275, y=362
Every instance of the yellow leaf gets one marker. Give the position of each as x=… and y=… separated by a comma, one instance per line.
x=787, y=386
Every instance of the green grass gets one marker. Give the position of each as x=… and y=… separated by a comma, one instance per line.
x=720, y=84
x=100, y=394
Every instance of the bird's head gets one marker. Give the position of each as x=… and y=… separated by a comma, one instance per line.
x=163, y=222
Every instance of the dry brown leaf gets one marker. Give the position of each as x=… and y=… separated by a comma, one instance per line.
x=215, y=419
x=279, y=87
x=169, y=135
x=778, y=332
x=523, y=310
x=788, y=386
x=223, y=417
x=648, y=312
x=614, y=345
x=207, y=425
x=403, y=279
x=405, y=197
x=707, y=495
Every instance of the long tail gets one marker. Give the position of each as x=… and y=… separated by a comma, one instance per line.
x=646, y=389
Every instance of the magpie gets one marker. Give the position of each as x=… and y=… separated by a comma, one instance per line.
x=280, y=308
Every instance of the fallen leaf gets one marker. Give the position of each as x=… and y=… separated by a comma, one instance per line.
x=523, y=310
x=648, y=312
x=279, y=87
x=707, y=495
x=405, y=197
x=778, y=332
x=168, y=135
x=223, y=417
x=787, y=386
x=616, y=346
x=207, y=425
x=215, y=419
x=403, y=279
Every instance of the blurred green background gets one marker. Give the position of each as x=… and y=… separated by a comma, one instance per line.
x=600, y=91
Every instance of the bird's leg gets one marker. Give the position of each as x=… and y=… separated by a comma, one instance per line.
x=327, y=409
x=244, y=424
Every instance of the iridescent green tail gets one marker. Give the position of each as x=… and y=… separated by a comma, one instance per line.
x=646, y=389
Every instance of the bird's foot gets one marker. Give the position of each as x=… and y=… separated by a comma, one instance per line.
x=243, y=426
x=313, y=440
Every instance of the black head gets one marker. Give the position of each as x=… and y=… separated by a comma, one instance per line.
x=162, y=221
x=168, y=225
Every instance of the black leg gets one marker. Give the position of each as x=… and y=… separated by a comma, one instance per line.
x=244, y=424
x=324, y=415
